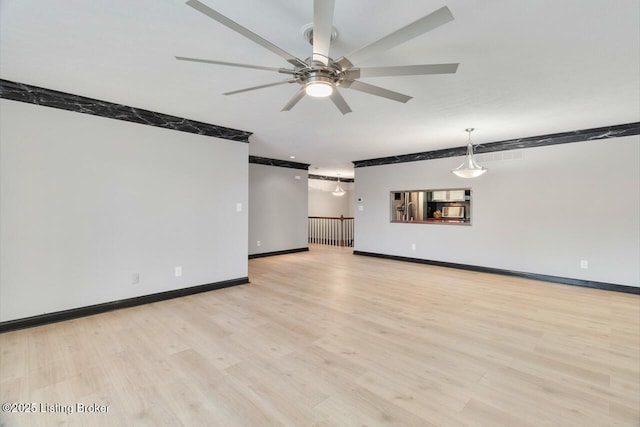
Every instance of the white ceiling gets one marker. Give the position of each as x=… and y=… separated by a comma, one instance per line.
x=526, y=68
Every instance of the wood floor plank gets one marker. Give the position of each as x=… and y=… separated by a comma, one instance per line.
x=326, y=338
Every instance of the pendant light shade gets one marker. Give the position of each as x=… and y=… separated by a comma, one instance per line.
x=338, y=191
x=469, y=168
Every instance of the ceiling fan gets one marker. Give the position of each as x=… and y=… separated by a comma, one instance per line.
x=320, y=75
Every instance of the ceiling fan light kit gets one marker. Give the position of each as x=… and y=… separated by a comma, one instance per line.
x=469, y=168
x=319, y=86
x=319, y=75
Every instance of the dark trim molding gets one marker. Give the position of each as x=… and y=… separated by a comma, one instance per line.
x=594, y=134
x=329, y=178
x=276, y=162
x=542, y=277
x=288, y=251
x=80, y=104
x=74, y=313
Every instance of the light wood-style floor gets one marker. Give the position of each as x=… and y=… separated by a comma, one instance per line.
x=327, y=338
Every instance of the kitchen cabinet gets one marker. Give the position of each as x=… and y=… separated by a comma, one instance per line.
x=448, y=196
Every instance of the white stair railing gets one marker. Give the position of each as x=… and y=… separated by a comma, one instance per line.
x=334, y=231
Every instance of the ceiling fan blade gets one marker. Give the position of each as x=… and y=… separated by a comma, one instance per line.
x=421, y=26
x=409, y=70
x=293, y=101
x=378, y=91
x=233, y=64
x=260, y=87
x=322, y=26
x=206, y=10
x=339, y=101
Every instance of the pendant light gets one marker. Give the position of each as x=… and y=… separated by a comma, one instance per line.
x=469, y=168
x=338, y=191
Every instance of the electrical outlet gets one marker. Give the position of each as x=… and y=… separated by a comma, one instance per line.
x=258, y=243
x=584, y=264
x=413, y=246
x=135, y=278
x=177, y=271
x=238, y=207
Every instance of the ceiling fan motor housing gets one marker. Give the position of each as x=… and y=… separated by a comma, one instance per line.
x=336, y=73
x=319, y=73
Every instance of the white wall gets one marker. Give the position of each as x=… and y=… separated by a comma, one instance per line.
x=277, y=209
x=323, y=203
x=542, y=214
x=86, y=202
